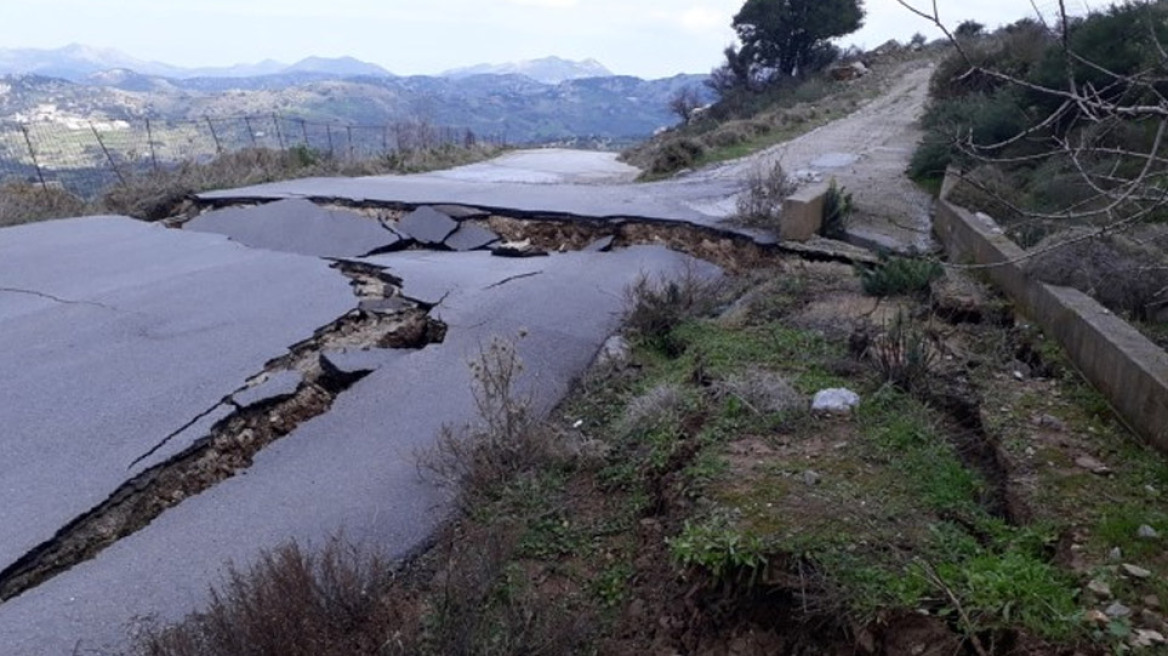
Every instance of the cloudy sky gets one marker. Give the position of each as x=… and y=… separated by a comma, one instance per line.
x=649, y=38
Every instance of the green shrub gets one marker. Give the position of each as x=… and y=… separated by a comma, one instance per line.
x=725, y=553
x=900, y=275
x=675, y=155
x=837, y=211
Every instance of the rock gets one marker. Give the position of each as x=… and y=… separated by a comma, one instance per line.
x=1136, y=571
x=852, y=71
x=1117, y=610
x=1152, y=601
x=1152, y=619
x=1147, y=532
x=602, y=245
x=517, y=249
x=427, y=226
x=1092, y=465
x=1100, y=588
x=1095, y=616
x=615, y=352
x=1051, y=422
x=470, y=237
x=811, y=477
x=835, y=400
x=276, y=386
x=1115, y=554
x=1143, y=638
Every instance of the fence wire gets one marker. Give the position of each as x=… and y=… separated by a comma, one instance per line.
x=86, y=157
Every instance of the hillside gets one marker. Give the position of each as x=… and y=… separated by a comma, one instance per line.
x=515, y=106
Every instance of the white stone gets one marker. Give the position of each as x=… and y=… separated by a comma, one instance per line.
x=839, y=400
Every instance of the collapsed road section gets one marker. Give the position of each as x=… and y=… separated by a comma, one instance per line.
x=290, y=390
x=178, y=361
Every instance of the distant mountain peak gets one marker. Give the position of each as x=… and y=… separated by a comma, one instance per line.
x=549, y=70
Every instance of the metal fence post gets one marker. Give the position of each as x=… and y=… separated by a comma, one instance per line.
x=32, y=154
x=108, y=156
x=211, y=127
x=250, y=132
x=279, y=134
x=150, y=142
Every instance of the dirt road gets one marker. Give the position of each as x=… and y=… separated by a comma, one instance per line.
x=867, y=152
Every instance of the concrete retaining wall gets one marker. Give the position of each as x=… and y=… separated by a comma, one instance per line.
x=1121, y=363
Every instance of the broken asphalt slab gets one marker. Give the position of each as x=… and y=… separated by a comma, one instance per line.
x=298, y=226
x=354, y=468
x=118, y=333
x=703, y=202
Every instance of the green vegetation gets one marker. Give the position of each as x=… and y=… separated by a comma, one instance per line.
x=696, y=483
x=837, y=211
x=900, y=275
x=792, y=37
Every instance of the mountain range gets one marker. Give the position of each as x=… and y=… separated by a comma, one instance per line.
x=78, y=62
x=544, y=100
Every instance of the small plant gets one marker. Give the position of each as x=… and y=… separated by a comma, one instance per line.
x=508, y=439
x=293, y=602
x=903, y=355
x=837, y=212
x=656, y=308
x=900, y=275
x=728, y=555
x=760, y=204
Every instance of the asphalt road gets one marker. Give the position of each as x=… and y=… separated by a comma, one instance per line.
x=119, y=332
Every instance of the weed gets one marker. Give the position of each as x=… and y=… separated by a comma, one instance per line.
x=761, y=202
x=290, y=602
x=656, y=308
x=661, y=409
x=900, y=275
x=508, y=441
x=759, y=391
x=728, y=555
x=903, y=355
x=24, y=202
x=837, y=212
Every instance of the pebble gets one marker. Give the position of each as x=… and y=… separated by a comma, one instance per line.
x=1146, y=638
x=1100, y=588
x=1115, y=554
x=1136, y=571
x=1092, y=465
x=1117, y=610
x=1096, y=616
x=1152, y=601
x=1147, y=532
x=810, y=477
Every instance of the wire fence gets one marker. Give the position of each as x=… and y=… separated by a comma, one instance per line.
x=86, y=157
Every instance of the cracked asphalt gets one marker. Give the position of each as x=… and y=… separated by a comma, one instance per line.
x=127, y=344
x=122, y=337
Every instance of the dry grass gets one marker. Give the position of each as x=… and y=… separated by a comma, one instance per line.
x=160, y=194
x=292, y=602
x=656, y=307
x=23, y=202
x=507, y=441
x=760, y=204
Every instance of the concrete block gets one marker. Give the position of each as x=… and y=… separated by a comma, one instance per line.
x=802, y=214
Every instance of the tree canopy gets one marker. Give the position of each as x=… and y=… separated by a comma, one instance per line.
x=791, y=37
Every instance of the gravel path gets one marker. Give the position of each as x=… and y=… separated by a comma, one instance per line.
x=867, y=152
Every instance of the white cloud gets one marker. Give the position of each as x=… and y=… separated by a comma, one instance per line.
x=703, y=19
x=552, y=4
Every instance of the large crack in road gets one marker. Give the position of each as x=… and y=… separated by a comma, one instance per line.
x=232, y=443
